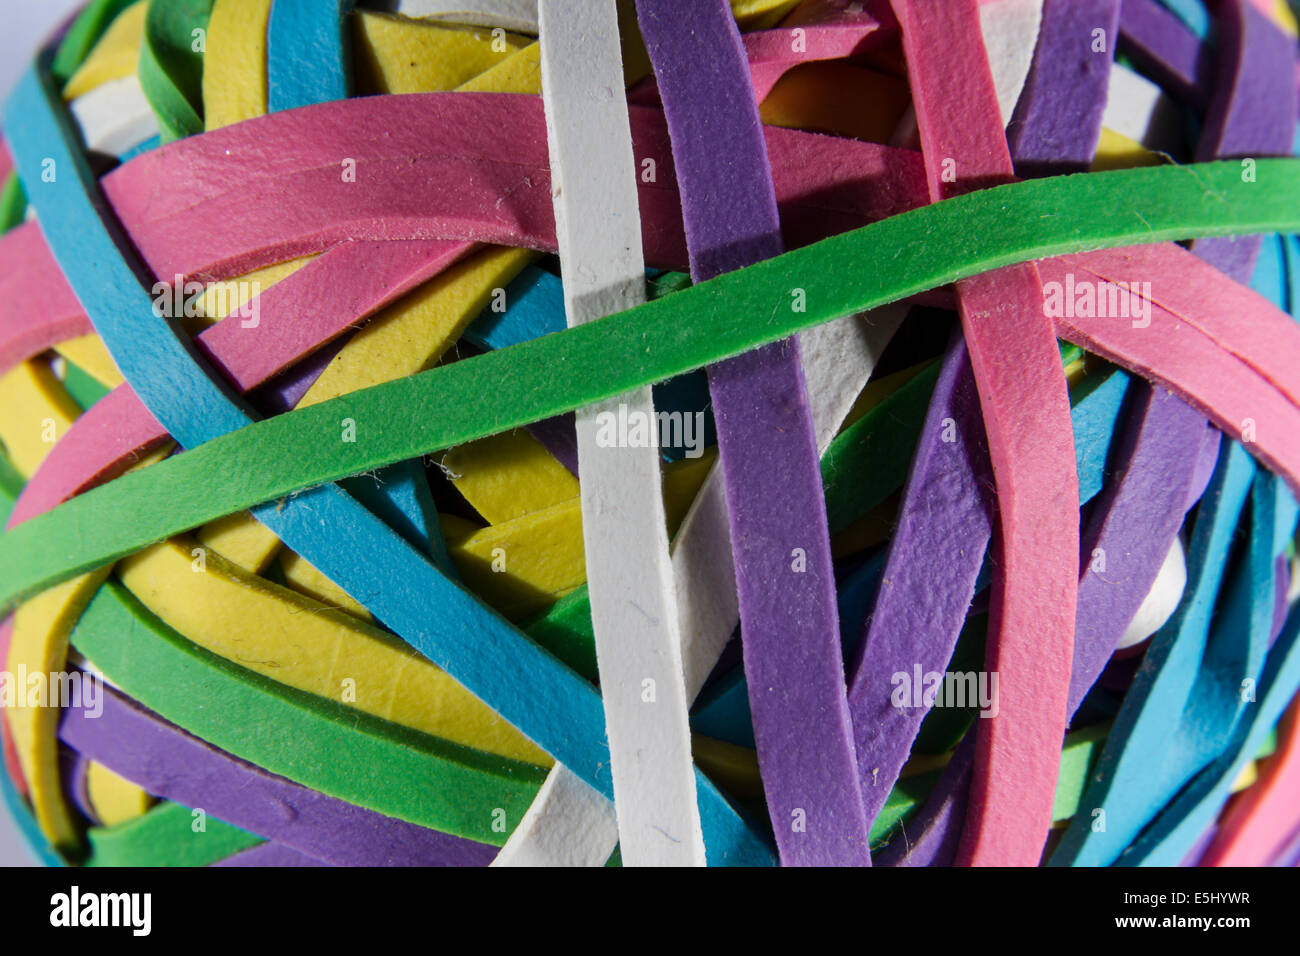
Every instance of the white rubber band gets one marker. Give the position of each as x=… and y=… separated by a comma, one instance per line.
x=517, y=16
x=1140, y=110
x=114, y=117
x=633, y=607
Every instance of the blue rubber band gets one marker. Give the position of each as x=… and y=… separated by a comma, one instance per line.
x=309, y=56
x=1129, y=771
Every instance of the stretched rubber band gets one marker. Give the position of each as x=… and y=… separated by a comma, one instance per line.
x=624, y=527
x=1025, y=409
x=793, y=658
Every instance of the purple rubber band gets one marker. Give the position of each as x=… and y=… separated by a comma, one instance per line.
x=1289, y=853
x=784, y=578
x=1251, y=114
x=1162, y=46
x=270, y=854
x=942, y=532
x=1057, y=122
x=168, y=762
x=1193, y=857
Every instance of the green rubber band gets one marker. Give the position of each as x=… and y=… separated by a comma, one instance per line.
x=13, y=203
x=84, y=388
x=1082, y=748
x=82, y=36
x=170, y=69
x=566, y=631
x=165, y=836
x=341, y=752
x=908, y=794
x=868, y=461
x=853, y=272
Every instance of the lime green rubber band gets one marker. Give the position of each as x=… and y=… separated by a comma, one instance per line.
x=340, y=752
x=166, y=836
x=846, y=274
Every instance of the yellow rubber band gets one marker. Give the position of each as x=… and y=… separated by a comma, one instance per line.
x=234, y=62
x=303, y=644
x=115, y=799
x=115, y=56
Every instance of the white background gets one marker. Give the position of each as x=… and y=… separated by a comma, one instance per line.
x=23, y=24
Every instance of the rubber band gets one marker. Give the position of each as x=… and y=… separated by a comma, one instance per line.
x=1139, y=110
x=1199, y=802
x=1079, y=685
x=247, y=620
x=397, y=55
x=801, y=722
x=115, y=117
x=1252, y=829
x=1058, y=119
x=333, y=292
x=946, y=501
x=83, y=33
x=170, y=69
x=499, y=657
x=114, y=53
x=269, y=854
x=39, y=646
x=1253, y=112
x=517, y=15
x=508, y=476
x=114, y=799
x=300, y=32
x=1162, y=46
x=234, y=63
x=1170, y=671
x=624, y=527
x=1033, y=601
x=174, y=765
x=1009, y=29
x=420, y=201
x=166, y=836
x=312, y=742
